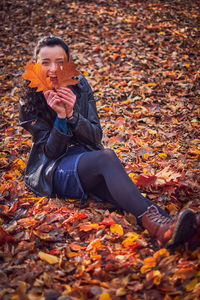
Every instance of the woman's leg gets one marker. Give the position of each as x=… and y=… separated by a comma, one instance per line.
x=102, y=192
x=102, y=174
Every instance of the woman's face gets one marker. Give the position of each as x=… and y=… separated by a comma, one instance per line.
x=51, y=58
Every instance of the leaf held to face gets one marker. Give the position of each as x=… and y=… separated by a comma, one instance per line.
x=37, y=77
x=66, y=73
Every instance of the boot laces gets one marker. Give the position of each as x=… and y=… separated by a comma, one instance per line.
x=155, y=216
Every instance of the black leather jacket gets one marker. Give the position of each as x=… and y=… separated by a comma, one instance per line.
x=49, y=144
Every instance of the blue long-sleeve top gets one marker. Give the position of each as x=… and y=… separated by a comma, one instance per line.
x=61, y=124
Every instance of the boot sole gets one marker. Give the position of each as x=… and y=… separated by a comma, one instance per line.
x=185, y=228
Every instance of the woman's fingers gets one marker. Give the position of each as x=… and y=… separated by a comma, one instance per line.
x=62, y=101
x=67, y=98
x=66, y=94
x=66, y=91
x=56, y=103
x=49, y=94
x=54, y=100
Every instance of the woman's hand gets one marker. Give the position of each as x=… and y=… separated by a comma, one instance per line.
x=68, y=99
x=56, y=103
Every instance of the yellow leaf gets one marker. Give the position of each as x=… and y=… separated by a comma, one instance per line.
x=194, y=151
x=127, y=102
x=17, y=173
x=107, y=108
x=71, y=254
x=105, y=296
x=51, y=259
x=157, y=277
x=146, y=156
x=85, y=73
x=149, y=263
x=67, y=289
x=153, y=132
x=22, y=286
x=191, y=285
x=149, y=84
x=28, y=142
x=130, y=240
x=94, y=244
x=154, y=276
x=162, y=155
x=172, y=207
x=133, y=176
x=19, y=163
x=40, y=200
x=161, y=253
x=121, y=292
x=116, y=228
x=88, y=227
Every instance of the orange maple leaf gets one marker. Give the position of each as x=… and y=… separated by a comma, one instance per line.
x=66, y=73
x=37, y=77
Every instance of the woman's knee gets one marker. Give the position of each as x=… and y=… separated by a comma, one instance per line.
x=107, y=155
x=97, y=159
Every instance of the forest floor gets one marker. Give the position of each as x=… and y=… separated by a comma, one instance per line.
x=142, y=60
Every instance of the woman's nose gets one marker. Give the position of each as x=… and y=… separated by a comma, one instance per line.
x=52, y=67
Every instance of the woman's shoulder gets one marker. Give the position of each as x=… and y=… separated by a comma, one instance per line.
x=83, y=84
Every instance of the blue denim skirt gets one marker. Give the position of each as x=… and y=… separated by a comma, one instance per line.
x=66, y=180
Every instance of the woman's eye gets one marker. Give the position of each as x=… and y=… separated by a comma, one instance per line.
x=45, y=63
x=60, y=63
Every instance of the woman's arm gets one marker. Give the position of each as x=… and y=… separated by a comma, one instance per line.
x=86, y=128
x=54, y=142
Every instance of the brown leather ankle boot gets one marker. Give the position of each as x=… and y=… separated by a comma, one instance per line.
x=169, y=232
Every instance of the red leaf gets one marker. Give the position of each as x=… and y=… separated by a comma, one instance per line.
x=72, y=218
x=5, y=236
x=107, y=221
x=146, y=180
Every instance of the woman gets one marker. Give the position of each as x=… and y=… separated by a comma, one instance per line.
x=67, y=158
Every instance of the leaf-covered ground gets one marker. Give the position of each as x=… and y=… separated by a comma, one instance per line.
x=142, y=60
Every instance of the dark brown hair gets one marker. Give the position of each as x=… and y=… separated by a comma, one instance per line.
x=34, y=101
x=51, y=41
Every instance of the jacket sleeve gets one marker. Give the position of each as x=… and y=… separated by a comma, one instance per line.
x=54, y=142
x=86, y=126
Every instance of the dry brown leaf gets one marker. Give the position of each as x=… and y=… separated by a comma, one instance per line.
x=66, y=73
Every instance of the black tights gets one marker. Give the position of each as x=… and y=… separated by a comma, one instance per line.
x=102, y=174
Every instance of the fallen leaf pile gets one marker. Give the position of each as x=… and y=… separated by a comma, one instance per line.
x=142, y=61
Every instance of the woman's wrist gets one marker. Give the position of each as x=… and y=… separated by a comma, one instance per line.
x=70, y=117
x=61, y=116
